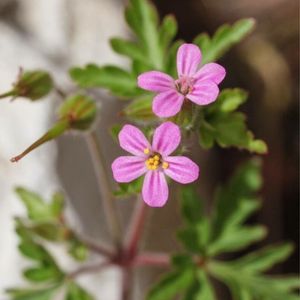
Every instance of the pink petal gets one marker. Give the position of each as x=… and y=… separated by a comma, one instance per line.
x=188, y=59
x=133, y=140
x=204, y=92
x=155, y=81
x=155, y=189
x=211, y=71
x=128, y=168
x=182, y=169
x=167, y=104
x=166, y=138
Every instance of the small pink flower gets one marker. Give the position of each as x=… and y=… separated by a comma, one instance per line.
x=200, y=87
x=154, y=161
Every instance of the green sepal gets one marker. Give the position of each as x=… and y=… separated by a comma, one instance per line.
x=32, y=85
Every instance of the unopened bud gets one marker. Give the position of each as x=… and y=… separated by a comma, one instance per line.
x=33, y=85
x=80, y=111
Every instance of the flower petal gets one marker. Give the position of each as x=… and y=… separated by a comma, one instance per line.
x=155, y=189
x=128, y=168
x=211, y=71
x=155, y=81
x=166, y=138
x=133, y=140
x=167, y=104
x=204, y=92
x=188, y=59
x=182, y=169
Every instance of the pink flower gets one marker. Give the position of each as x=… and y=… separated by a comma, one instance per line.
x=154, y=161
x=200, y=87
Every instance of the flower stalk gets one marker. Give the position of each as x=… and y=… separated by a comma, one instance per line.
x=104, y=189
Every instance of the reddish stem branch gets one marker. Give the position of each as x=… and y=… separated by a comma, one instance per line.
x=126, y=283
x=96, y=247
x=95, y=268
x=109, y=204
x=136, y=227
x=152, y=259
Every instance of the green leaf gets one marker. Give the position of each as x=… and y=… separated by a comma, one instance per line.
x=142, y=17
x=196, y=237
x=57, y=205
x=33, y=250
x=228, y=101
x=167, y=31
x=43, y=273
x=76, y=292
x=182, y=261
x=128, y=48
x=171, y=285
x=237, y=239
x=120, y=82
x=33, y=294
x=235, y=201
x=221, y=124
x=50, y=231
x=229, y=130
x=263, y=259
x=37, y=208
x=259, y=287
x=191, y=205
x=224, y=38
x=77, y=249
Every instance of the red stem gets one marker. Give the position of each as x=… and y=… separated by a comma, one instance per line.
x=95, y=268
x=152, y=259
x=136, y=227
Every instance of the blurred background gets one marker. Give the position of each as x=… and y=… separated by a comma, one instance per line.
x=57, y=34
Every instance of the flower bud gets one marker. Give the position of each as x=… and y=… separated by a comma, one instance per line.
x=80, y=111
x=33, y=85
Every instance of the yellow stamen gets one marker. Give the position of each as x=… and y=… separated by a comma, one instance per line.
x=156, y=157
x=151, y=160
x=165, y=165
x=146, y=151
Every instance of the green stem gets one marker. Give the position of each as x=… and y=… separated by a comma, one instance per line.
x=8, y=94
x=104, y=189
x=58, y=129
x=195, y=118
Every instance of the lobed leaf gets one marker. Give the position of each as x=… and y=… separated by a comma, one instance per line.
x=224, y=38
x=120, y=82
x=76, y=292
x=171, y=285
x=263, y=259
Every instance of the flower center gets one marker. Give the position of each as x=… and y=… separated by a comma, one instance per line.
x=184, y=85
x=154, y=161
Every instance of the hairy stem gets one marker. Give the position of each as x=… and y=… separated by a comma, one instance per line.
x=94, y=268
x=126, y=283
x=96, y=247
x=136, y=227
x=104, y=189
x=195, y=118
x=152, y=259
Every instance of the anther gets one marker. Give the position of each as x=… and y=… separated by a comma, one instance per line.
x=165, y=165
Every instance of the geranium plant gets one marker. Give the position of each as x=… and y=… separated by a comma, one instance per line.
x=174, y=94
